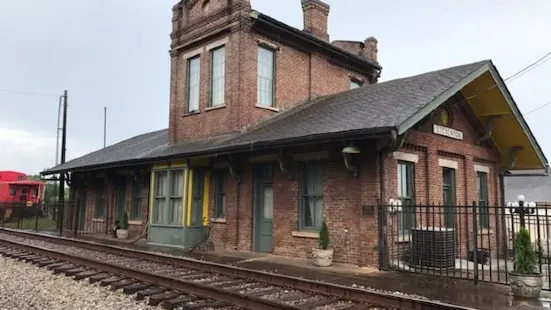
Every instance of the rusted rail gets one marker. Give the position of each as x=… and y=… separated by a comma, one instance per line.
x=203, y=291
x=379, y=299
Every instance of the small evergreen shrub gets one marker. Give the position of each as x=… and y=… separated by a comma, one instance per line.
x=124, y=224
x=525, y=256
x=324, y=236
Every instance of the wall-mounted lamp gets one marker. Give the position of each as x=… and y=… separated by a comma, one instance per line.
x=346, y=153
x=394, y=205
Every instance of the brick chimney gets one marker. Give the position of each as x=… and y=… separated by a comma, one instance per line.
x=370, y=49
x=315, y=18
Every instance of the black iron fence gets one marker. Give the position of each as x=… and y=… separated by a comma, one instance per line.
x=41, y=216
x=462, y=241
x=68, y=218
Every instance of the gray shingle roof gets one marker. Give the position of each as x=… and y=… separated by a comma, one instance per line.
x=534, y=188
x=135, y=148
x=386, y=104
x=383, y=105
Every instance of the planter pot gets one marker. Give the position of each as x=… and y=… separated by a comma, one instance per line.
x=526, y=286
x=122, y=234
x=322, y=258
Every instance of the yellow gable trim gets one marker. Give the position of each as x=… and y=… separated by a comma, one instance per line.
x=508, y=131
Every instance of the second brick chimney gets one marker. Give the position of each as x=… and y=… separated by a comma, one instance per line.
x=316, y=15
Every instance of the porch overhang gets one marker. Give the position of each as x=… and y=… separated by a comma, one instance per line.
x=487, y=95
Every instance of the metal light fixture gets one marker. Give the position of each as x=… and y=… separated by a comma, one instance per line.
x=346, y=153
x=351, y=150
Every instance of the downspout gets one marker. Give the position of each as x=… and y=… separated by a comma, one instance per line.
x=237, y=215
x=309, y=76
x=502, y=203
x=382, y=244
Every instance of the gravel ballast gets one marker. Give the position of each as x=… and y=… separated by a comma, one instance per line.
x=24, y=286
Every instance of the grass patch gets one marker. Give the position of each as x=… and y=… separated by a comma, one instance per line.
x=44, y=223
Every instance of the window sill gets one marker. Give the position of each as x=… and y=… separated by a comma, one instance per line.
x=191, y=113
x=215, y=108
x=273, y=109
x=218, y=220
x=403, y=239
x=167, y=225
x=484, y=231
x=306, y=234
x=135, y=222
x=97, y=220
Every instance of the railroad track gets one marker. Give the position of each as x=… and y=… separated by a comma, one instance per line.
x=185, y=280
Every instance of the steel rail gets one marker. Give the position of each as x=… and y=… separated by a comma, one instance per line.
x=183, y=286
x=372, y=297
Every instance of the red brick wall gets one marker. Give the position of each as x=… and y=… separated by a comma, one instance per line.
x=93, y=225
x=353, y=236
x=429, y=147
x=299, y=75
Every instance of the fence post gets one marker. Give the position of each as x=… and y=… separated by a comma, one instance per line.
x=36, y=216
x=382, y=243
x=76, y=215
x=475, y=243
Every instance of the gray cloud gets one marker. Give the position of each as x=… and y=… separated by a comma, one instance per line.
x=114, y=53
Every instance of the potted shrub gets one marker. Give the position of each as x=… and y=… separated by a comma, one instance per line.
x=323, y=256
x=525, y=281
x=122, y=233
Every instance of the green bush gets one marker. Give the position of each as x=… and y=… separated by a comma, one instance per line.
x=525, y=256
x=124, y=224
x=324, y=236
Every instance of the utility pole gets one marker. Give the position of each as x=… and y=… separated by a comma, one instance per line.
x=58, y=129
x=104, y=126
x=61, y=197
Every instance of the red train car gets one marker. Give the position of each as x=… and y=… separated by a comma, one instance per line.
x=16, y=188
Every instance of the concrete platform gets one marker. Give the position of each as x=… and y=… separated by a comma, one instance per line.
x=459, y=292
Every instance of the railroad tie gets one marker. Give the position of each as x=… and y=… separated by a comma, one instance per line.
x=155, y=300
x=134, y=288
x=34, y=258
x=141, y=295
x=74, y=271
x=85, y=274
x=177, y=302
x=39, y=260
x=121, y=284
x=109, y=281
x=63, y=268
x=98, y=277
x=46, y=263
x=55, y=265
x=18, y=254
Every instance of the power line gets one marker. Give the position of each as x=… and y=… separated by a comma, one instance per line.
x=27, y=93
x=511, y=78
x=538, y=108
x=529, y=67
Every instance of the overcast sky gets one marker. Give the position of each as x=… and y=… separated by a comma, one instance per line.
x=115, y=54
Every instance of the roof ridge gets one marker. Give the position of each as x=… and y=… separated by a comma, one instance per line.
x=482, y=62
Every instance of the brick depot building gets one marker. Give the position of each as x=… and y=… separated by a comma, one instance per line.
x=273, y=129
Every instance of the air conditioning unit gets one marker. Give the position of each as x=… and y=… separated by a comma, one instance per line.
x=432, y=247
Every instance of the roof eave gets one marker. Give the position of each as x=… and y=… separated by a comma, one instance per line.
x=311, y=39
x=249, y=147
x=512, y=104
x=440, y=99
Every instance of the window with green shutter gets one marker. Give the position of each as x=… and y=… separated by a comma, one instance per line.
x=482, y=188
